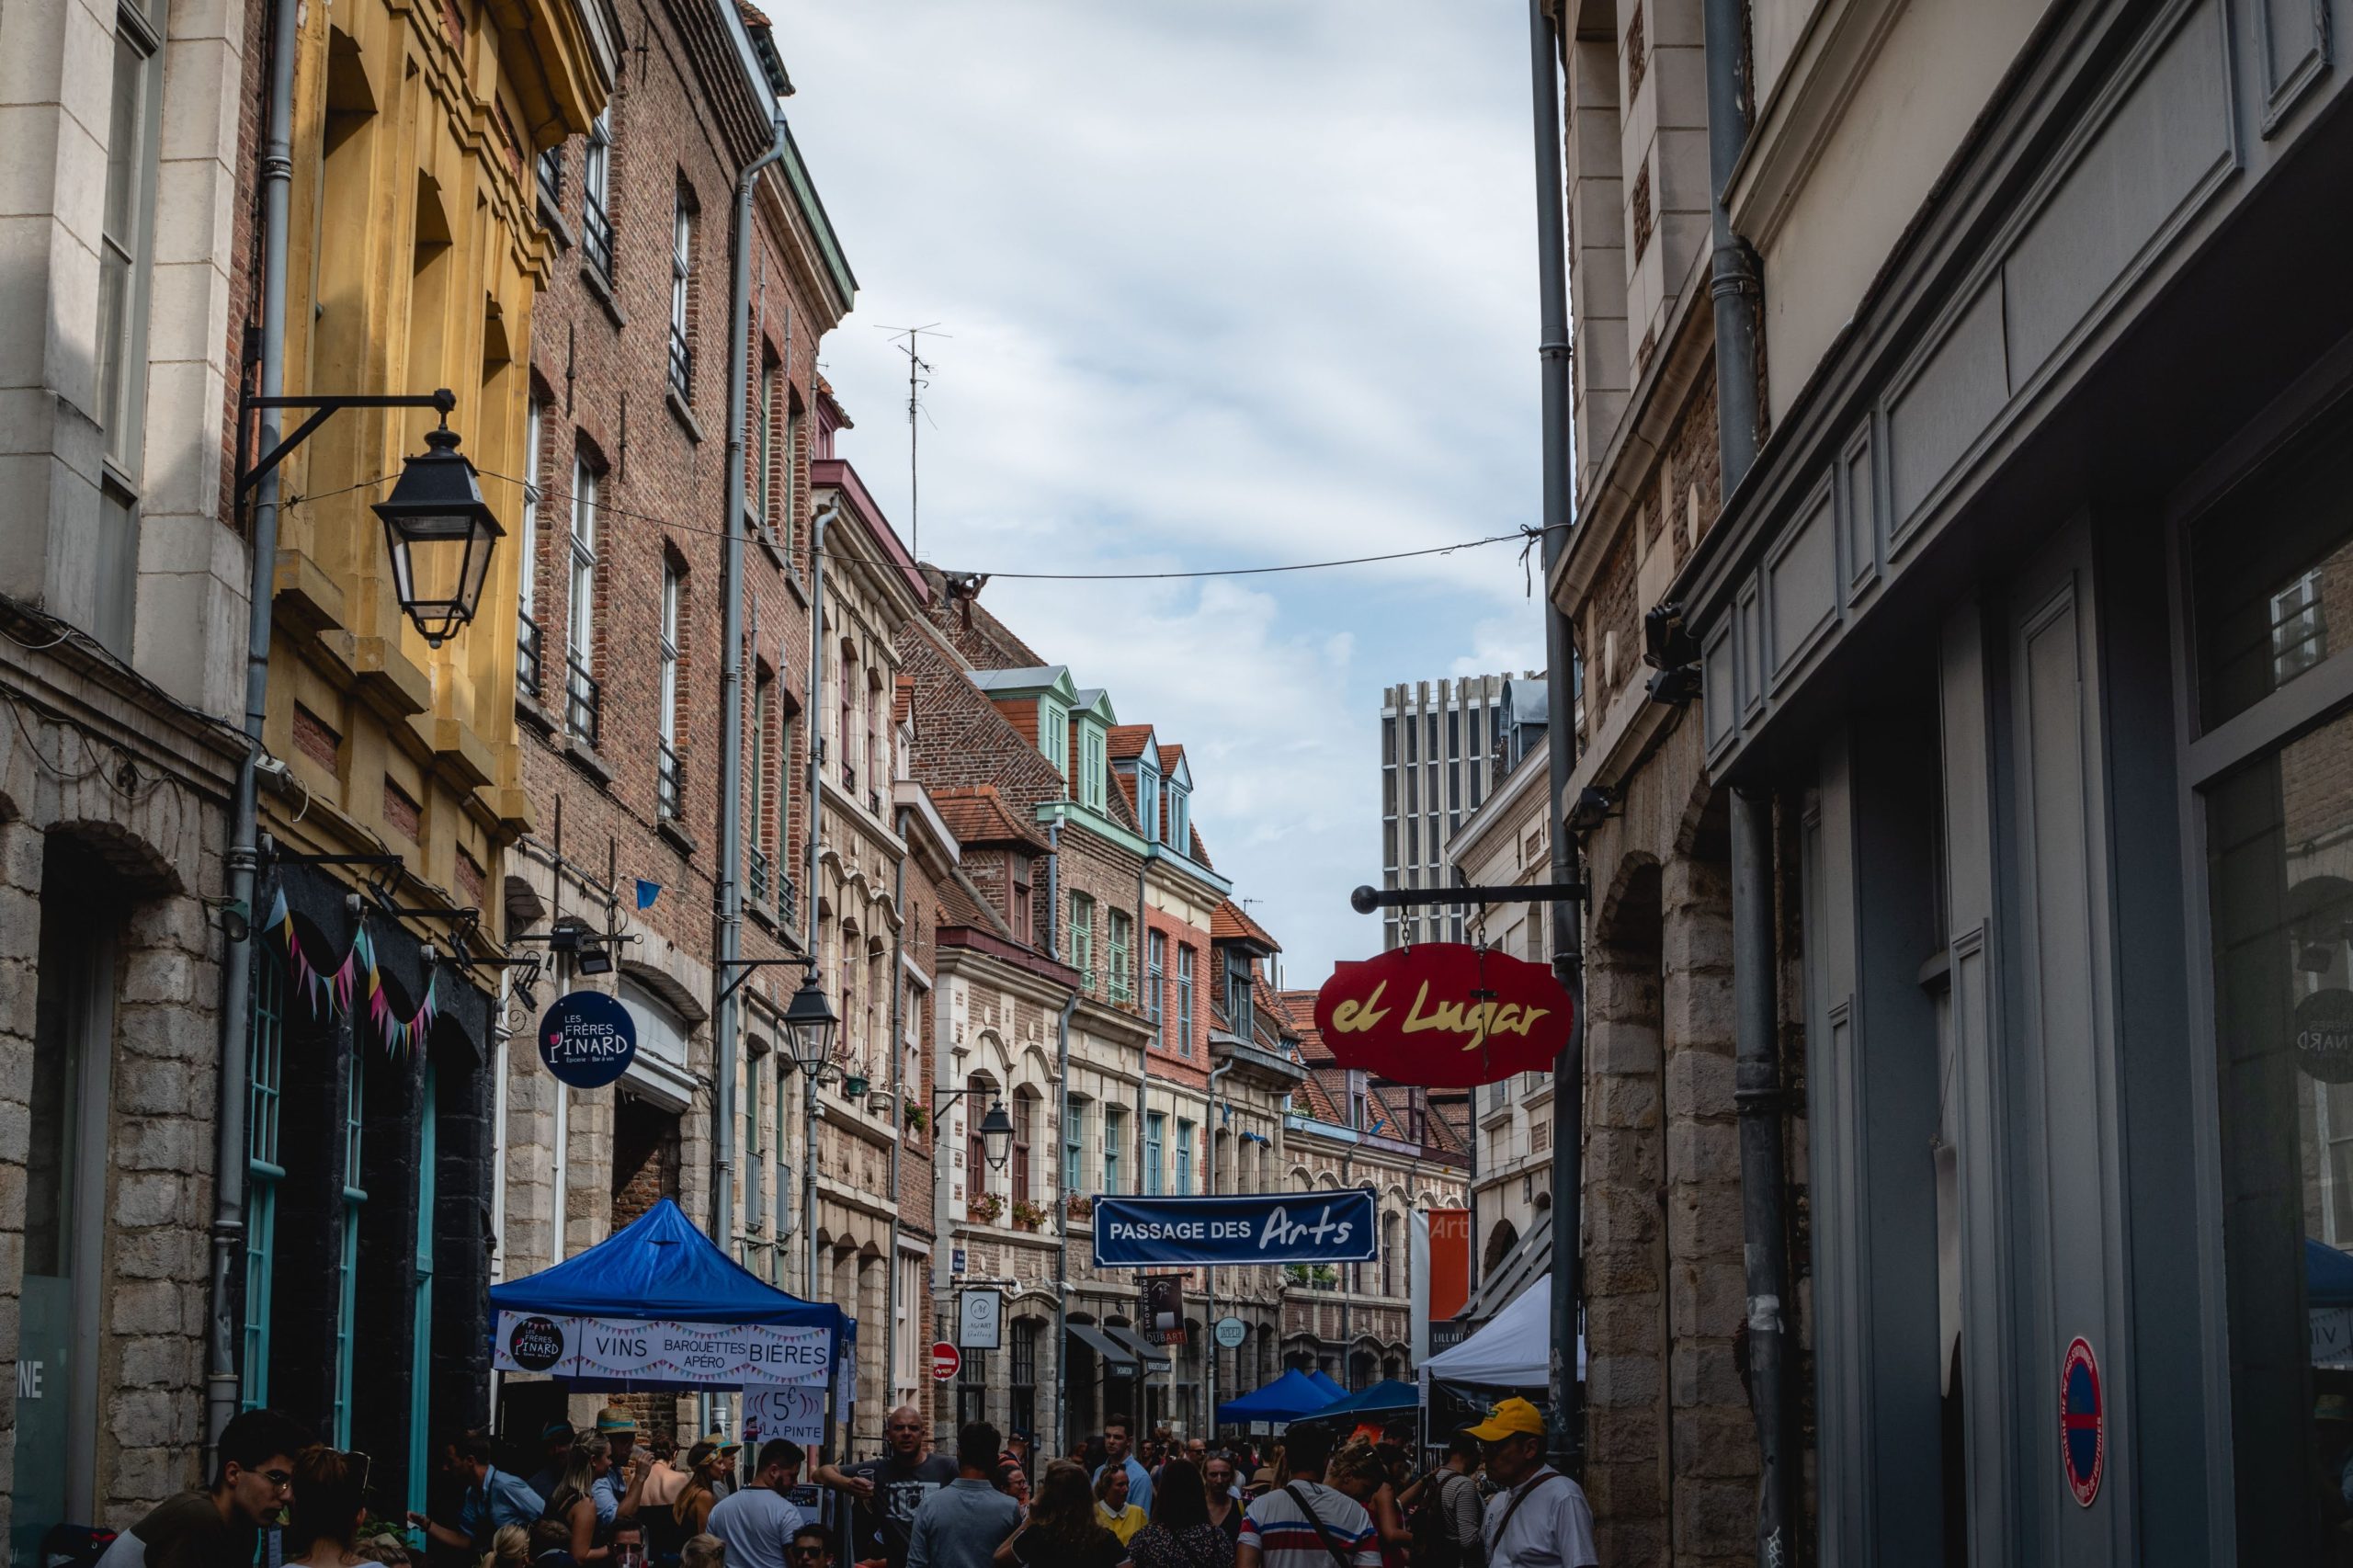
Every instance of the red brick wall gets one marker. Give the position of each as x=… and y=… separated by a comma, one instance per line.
x=602, y=373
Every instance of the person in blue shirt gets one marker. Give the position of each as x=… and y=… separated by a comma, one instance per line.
x=492, y=1499
x=1116, y=1447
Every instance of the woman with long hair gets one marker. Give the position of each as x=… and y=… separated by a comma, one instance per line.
x=706, y=1468
x=1181, y=1534
x=573, y=1505
x=1112, y=1510
x=322, y=1524
x=1359, y=1472
x=1063, y=1530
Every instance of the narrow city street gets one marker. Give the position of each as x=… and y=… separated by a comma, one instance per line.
x=1228, y=784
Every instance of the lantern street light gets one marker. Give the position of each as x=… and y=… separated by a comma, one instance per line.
x=811, y=1021
x=997, y=1136
x=437, y=528
x=439, y=532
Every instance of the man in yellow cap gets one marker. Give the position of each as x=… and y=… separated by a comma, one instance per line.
x=1538, y=1518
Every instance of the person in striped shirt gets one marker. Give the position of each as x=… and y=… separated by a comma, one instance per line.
x=1305, y=1524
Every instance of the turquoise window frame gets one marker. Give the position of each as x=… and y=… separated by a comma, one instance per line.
x=1148, y=801
x=1074, y=1147
x=266, y=1068
x=1184, y=1157
x=1115, y=1132
x=347, y=1265
x=420, y=1385
x=1155, y=984
x=1188, y=974
x=1155, y=1132
x=1120, y=936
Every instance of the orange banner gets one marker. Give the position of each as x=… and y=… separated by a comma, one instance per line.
x=1449, y=1262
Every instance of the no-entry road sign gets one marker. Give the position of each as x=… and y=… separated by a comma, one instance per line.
x=944, y=1361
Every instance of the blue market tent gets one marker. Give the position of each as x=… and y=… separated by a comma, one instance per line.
x=1325, y=1380
x=1383, y=1396
x=2328, y=1276
x=662, y=1266
x=1287, y=1398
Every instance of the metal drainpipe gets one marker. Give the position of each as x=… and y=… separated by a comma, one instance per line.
x=1568, y=954
x=1061, y=1253
x=729, y=895
x=898, y=1112
x=1209, y=1310
x=826, y=512
x=1144, y=1068
x=1734, y=283
x=1756, y=1090
x=221, y=1385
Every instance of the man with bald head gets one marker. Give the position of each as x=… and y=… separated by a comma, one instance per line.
x=892, y=1488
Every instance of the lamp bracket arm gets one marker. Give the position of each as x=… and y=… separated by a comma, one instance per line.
x=325, y=408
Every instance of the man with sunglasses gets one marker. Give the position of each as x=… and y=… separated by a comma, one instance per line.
x=889, y=1490
x=812, y=1547
x=216, y=1527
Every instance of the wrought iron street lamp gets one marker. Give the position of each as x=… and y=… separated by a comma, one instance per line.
x=437, y=529
x=997, y=1136
x=810, y=1022
x=439, y=533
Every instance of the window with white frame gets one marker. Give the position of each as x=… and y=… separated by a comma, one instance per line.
x=670, y=775
x=682, y=260
x=1074, y=1146
x=1122, y=941
x=582, y=697
x=126, y=223
x=595, y=198
x=1080, y=949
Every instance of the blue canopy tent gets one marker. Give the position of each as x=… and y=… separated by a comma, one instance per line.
x=2328, y=1276
x=660, y=1268
x=1379, y=1399
x=1287, y=1398
x=1330, y=1385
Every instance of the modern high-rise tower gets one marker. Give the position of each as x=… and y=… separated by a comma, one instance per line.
x=1444, y=743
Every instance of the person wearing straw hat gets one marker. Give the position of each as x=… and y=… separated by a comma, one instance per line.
x=1538, y=1518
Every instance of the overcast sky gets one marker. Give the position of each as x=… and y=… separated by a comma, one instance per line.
x=1226, y=283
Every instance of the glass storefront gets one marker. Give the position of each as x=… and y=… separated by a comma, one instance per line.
x=2272, y=575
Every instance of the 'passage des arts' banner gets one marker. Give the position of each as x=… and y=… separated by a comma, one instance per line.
x=659, y=1350
x=1279, y=1227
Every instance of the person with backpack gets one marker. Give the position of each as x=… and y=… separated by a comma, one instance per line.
x=1303, y=1523
x=1447, y=1511
x=1538, y=1518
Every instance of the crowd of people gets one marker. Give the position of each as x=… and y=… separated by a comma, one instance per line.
x=1313, y=1498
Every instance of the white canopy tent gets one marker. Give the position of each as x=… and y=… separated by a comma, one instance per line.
x=1513, y=1351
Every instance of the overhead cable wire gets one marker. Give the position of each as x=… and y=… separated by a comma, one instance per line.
x=1521, y=535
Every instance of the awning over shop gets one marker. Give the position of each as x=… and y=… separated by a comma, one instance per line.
x=1515, y=1351
x=1287, y=1398
x=1527, y=1262
x=1153, y=1356
x=1118, y=1356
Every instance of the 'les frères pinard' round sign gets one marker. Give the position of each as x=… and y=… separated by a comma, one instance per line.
x=587, y=1039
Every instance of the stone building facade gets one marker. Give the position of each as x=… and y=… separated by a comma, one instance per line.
x=123, y=593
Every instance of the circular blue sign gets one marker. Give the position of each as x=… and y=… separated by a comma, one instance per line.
x=587, y=1039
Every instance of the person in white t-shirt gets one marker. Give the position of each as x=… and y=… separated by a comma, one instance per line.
x=758, y=1522
x=1538, y=1518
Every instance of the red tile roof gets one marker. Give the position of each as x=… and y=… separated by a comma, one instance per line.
x=1200, y=851
x=961, y=904
x=1299, y=1006
x=1231, y=923
x=1127, y=741
x=1170, y=755
x=978, y=814
x=1318, y=1096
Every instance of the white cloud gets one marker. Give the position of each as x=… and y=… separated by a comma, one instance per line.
x=1234, y=282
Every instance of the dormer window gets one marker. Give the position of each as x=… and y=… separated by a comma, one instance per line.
x=1180, y=837
x=1053, y=735
x=1148, y=800
x=1094, y=775
x=1016, y=902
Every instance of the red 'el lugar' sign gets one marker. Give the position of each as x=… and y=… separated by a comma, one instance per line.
x=1444, y=1015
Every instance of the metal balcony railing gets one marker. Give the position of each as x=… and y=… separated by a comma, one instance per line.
x=670, y=784
x=682, y=363
x=526, y=658
x=552, y=178
x=596, y=235
x=759, y=875
x=583, y=701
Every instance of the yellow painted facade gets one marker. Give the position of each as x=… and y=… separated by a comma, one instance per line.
x=413, y=257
